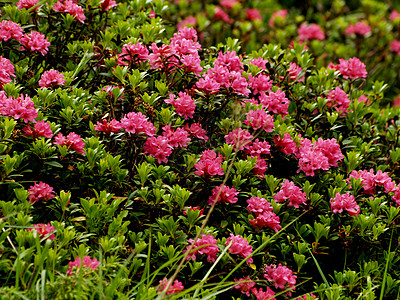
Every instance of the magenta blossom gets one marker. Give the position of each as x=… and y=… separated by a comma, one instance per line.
x=345, y=201
x=176, y=287
x=209, y=164
x=206, y=245
x=40, y=192
x=282, y=276
x=224, y=193
x=51, y=78
x=72, y=141
x=240, y=246
x=88, y=264
x=44, y=230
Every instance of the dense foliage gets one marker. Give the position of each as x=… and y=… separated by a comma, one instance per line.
x=140, y=160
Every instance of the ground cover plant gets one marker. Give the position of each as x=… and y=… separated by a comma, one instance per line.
x=138, y=163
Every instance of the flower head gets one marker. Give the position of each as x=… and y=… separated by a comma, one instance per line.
x=40, y=192
x=176, y=287
x=44, y=230
x=87, y=264
x=51, y=78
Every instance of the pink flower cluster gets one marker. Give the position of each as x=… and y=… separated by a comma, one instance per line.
x=106, y=5
x=285, y=144
x=72, y=141
x=319, y=155
x=278, y=14
x=133, y=54
x=35, y=41
x=44, y=230
x=370, y=181
x=207, y=245
x=19, y=108
x=9, y=29
x=239, y=138
x=245, y=285
x=394, y=46
x=224, y=193
x=275, y=102
x=394, y=15
x=137, y=123
x=176, y=138
x=338, y=99
x=87, y=263
x=209, y=164
x=264, y=214
x=361, y=28
x=7, y=71
x=41, y=128
x=158, y=147
x=184, y=104
x=27, y=4
x=259, y=118
x=257, y=148
x=227, y=72
x=310, y=32
x=40, y=192
x=294, y=71
x=282, y=276
x=345, y=201
x=240, y=246
x=253, y=14
x=196, y=130
x=261, y=295
x=176, y=287
x=289, y=191
x=51, y=78
x=108, y=127
x=70, y=7
x=260, y=83
x=220, y=14
x=352, y=68
x=189, y=21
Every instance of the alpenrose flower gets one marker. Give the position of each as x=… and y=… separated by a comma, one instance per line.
x=282, y=277
x=310, y=32
x=289, y=191
x=7, y=71
x=70, y=7
x=44, y=230
x=72, y=141
x=35, y=41
x=8, y=30
x=394, y=46
x=345, y=201
x=278, y=14
x=239, y=138
x=240, y=245
x=27, y=4
x=259, y=118
x=245, y=285
x=51, y=78
x=370, y=181
x=176, y=287
x=40, y=129
x=207, y=245
x=184, y=104
x=40, y=192
x=88, y=263
x=137, y=123
x=352, y=68
x=263, y=211
x=158, y=147
x=19, y=108
x=339, y=100
x=227, y=194
x=360, y=28
x=209, y=164
x=261, y=295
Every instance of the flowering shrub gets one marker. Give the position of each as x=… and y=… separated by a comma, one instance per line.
x=139, y=161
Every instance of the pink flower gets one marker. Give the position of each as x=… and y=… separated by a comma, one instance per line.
x=35, y=41
x=260, y=167
x=69, y=6
x=19, y=108
x=282, y=276
x=245, y=285
x=27, y=4
x=137, y=123
x=133, y=53
x=195, y=208
x=396, y=197
x=294, y=71
x=395, y=47
x=224, y=193
x=239, y=138
x=196, y=130
x=310, y=32
x=177, y=138
x=72, y=141
x=253, y=14
x=51, y=78
x=7, y=71
x=240, y=246
x=286, y=144
x=206, y=245
x=184, y=105
x=264, y=214
x=345, y=201
x=261, y=295
x=44, y=230
x=9, y=29
x=259, y=205
x=260, y=83
x=338, y=99
x=307, y=297
x=280, y=14
x=394, y=15
x=189, y=21
x=369, y=180
x=87, y=263
x=229, y=60
x=259, y=62
x=290, y=192
x=40, y=192
x=41, y=128
x=208, y=84
x=158, y=147
x=257, y=148
x=172, y=289
x=106, y=5
x=228, y=4
x=209, y=164
x=360, y=28
x=220, y=14
x=275, y=102
x=259, y=118
x=352, y=68
x=113, y=126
